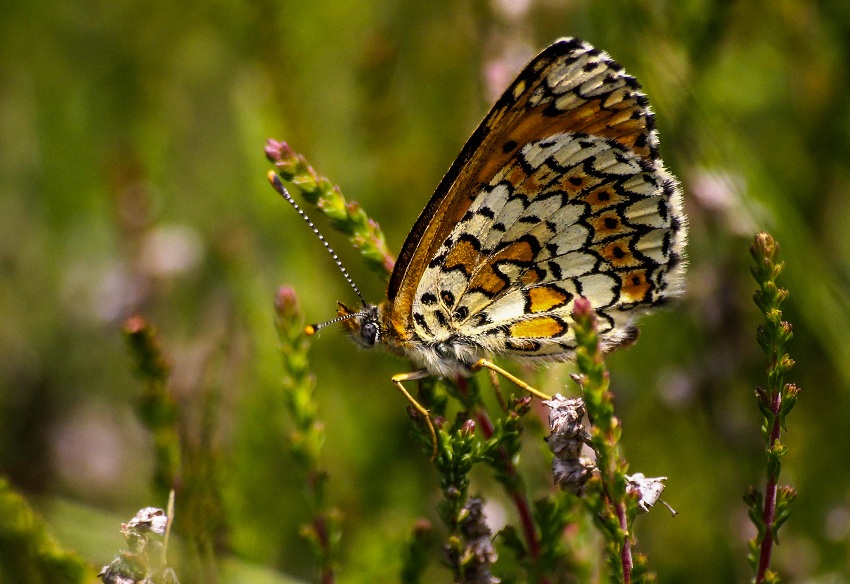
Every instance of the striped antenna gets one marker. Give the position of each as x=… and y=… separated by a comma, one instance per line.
x=274, y=179
x=312, y=329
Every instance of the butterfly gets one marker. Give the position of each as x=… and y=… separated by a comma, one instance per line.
x=559, y=193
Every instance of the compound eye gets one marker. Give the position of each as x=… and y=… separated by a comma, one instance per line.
x=369, y=332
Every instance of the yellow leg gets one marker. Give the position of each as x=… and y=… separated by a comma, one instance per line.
x=497, y=389
x=484, y=363
x=397, y=380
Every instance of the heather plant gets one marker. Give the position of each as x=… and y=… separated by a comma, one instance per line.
x=483, y=434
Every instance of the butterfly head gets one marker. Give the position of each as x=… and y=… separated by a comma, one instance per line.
x=364, y=325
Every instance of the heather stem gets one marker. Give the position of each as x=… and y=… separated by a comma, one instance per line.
x=770, y=511
x=518, y=496
x=626, y=552
x=769, y=514
x=305, y=442
x=609, y=502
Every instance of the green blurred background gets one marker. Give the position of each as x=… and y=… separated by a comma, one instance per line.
x=132, y=179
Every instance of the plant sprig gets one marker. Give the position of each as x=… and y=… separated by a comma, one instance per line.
x=770, y=510
x=607, y=494
x=305, y=441
x=346, y=216
x=157, y=408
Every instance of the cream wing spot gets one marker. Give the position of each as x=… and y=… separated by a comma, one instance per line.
x=511, y=212
x=600, y=289
x=646, y=212
x=575, y=264
x=642, y=184
x=573, y=237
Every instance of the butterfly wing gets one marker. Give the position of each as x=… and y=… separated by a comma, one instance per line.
x=559, y=192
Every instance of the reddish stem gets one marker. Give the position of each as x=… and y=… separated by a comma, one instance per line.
x=626, y=552
x=769, y=513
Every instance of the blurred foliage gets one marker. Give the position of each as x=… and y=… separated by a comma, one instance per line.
x=132, y=179
x=30, y=553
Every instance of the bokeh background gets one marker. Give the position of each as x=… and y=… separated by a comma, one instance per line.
x=132, y=179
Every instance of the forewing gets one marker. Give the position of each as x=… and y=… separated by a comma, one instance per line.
x=569, y=87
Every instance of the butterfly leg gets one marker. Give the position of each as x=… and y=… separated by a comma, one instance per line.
x=484, y=363
x=411, y=376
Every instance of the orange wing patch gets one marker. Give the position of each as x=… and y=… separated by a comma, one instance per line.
x=618, y=253
x=489, y=279
x=543, y=327
x=463, y=255
x=635, y=286
x=545, y=298
x=607, y=225
x=602, y=197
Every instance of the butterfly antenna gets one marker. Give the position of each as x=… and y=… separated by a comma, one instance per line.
x=312, y=329
x=274, y=179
